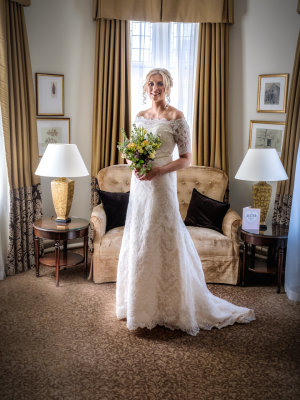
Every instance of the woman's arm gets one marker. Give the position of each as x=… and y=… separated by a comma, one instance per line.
x=182, y=162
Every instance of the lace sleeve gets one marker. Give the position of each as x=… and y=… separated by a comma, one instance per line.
x=181, y=132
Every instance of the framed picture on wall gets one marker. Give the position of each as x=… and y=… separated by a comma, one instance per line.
x=54, y=130
x=266, y=134
x=49, y=94
x=272, y=93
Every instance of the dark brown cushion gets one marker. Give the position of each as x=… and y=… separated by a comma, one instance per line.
x=115, y=206
x=205, y=212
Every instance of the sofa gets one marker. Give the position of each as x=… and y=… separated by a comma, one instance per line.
x=219, y=251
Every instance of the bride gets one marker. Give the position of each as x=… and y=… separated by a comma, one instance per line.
x=160, y=279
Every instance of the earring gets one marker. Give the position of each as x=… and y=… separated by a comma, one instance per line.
x=144, y=98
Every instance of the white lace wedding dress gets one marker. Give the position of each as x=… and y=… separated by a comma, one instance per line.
x=160, y=279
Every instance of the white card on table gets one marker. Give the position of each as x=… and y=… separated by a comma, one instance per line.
x=251, y=217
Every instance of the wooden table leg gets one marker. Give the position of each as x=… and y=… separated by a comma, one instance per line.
x=245, y=250
x=85, y=254
x=36, y=250
x=279, y=268
x=57, y=256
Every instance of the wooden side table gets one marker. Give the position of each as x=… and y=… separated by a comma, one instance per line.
x=46, y=228
x=275, y=238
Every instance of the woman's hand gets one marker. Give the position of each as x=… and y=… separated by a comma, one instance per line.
x=149, y=175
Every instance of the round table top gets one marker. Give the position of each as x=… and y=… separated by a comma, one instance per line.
x=272, y=231
x=49, y=225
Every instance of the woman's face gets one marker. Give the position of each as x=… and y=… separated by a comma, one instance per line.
x=155, y=88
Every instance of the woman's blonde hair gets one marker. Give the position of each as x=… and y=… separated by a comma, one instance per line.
x=167, y=80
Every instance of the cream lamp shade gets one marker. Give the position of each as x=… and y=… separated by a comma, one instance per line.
x=62, y=161
x=261, y=165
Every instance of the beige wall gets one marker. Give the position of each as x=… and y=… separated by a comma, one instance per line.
x=262, y=41
x=61, y=35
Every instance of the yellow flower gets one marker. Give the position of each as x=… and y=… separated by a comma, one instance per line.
x=145, y=142
x=131, y=146
x=152, y=155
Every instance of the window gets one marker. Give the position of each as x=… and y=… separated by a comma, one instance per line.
x=167, y=45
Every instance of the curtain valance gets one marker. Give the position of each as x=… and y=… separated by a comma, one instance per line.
x=213, y=11
x=24, y=3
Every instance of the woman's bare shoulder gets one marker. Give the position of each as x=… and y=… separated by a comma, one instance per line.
x=143, y=113
x=173, y=113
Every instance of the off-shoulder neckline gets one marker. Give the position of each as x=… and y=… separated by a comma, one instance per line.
x=160, y=119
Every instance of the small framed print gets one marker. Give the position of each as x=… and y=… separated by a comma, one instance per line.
x=272, y=93
x=49, y=94
x=251, y=218
x=52, y=131
x=266, y=134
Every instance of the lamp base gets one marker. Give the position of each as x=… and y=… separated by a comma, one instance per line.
x=263, y=227
x=62, y=195
x=261, y=196
x=62, y=221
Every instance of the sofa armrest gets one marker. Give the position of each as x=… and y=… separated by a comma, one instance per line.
x=98, y=219
x=231, y=223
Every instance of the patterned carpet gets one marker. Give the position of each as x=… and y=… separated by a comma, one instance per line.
x=65, y=343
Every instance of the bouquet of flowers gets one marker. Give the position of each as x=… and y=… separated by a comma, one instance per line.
x=140, y=148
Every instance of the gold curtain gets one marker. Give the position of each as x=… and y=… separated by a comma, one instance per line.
x=20, y=136
x=111, y=94
x=284, y=194
x=211, y=105
x=22, y=2
x=203, y=11
x=137, y=10
x=165, y=10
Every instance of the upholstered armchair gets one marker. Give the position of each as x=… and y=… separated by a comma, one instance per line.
x=219, y=251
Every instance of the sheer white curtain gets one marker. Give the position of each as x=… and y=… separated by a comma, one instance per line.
x=167, y=45
x=4, y=204
x=292, y=268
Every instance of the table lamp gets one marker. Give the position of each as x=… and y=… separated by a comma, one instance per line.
x=261, y=165
x=62, y=161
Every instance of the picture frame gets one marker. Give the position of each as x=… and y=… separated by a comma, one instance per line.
x=272, y=93
x=52, y=130
x=49, y=94
x=266, y=134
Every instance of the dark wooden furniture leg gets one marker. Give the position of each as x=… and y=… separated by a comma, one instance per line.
x=85, y=254
x=245, y=250
x=57, y=256
x=279, y=268
x=37, y=262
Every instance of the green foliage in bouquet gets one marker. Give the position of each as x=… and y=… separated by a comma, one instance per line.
x=140, y=148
